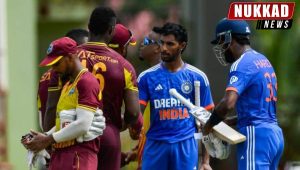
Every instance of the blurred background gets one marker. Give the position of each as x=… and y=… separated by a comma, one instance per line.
x=28, y=26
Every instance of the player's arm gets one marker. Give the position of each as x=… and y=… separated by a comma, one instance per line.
x=142, y=107
x=50, y=114
x=132, y=108
x=225, y=106
x=88, y=102
x=54, y=91
x=76, y=128
x=132, y=115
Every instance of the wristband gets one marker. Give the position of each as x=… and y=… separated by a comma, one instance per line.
x=215, y=119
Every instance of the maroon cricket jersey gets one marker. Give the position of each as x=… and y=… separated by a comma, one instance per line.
x=115, y=74
x=83, y=92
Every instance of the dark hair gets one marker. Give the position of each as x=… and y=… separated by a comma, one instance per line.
x=177, y=30
x=101, y=20
x=242, y=39
x=77, y=35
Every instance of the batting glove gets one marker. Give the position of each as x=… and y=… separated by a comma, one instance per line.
x=216, y=147
x=39, y=157
x=96, y=129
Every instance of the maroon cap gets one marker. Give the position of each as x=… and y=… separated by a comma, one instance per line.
x=122, y=37
x=57, y=49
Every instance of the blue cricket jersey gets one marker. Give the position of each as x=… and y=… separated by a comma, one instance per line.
x=169, y=119
x=253, y=78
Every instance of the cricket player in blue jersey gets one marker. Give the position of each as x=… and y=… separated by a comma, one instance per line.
x=252, y=89
x=170, y=143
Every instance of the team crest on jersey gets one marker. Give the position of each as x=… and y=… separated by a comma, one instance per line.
x=186, y=87
x=71, y=91
x=233, y=79
x=49, y=50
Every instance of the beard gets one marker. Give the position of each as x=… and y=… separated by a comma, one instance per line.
x=229, y=56
x=168, y=58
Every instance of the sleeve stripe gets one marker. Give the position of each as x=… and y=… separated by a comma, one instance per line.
x=209, y=107
x=128, y=81
x=134, y=89
x=201, y=73
x=54, y=88
x=232, y=89
x=93, y=109
x=143, y=102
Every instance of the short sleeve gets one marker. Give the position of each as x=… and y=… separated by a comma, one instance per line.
x=130, y=77
x=239, y=77
x=88, y=93
x=206, y=99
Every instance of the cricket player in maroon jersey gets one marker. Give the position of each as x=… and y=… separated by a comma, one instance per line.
x=118, y=84
x=150, y=53
x=122, y=38
x=53, y=88
x=81, y=93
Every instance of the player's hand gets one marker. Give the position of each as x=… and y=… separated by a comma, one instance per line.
x=133, y=133
x=201, y=113
x=205, y=166
x=128, y=157
x=131, y=156
x=135, y=129
x=38, y=142
x=25, y=139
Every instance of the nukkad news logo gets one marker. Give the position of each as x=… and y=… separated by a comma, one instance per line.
x=269, y=15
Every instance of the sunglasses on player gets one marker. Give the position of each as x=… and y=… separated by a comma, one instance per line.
x=148, y=41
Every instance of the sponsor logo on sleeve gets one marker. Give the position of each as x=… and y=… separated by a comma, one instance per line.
x=233, y=79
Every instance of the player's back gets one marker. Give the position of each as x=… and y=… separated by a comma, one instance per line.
x=255, y=80
x=114, y=73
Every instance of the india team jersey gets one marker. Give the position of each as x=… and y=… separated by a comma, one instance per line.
x=83, y=92
x=115, y=74
x=169, y=119
x=253, y=78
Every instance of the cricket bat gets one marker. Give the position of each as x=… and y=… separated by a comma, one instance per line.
x=197, y=97
x=197, y=93
x=221, y=130
x=198, y=103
